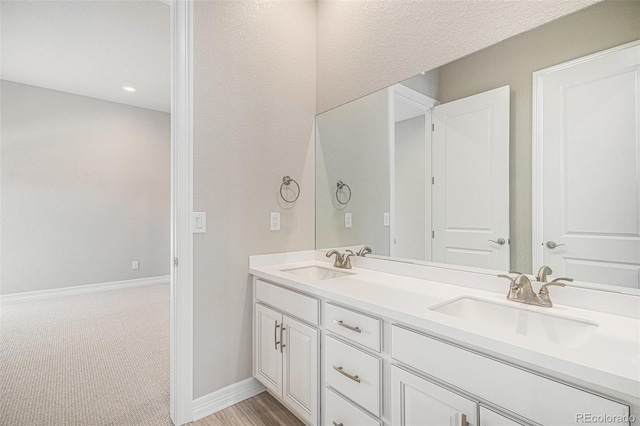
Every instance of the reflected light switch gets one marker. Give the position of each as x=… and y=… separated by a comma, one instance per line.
x=347, y=220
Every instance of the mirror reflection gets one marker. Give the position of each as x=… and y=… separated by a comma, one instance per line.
x=522, y=154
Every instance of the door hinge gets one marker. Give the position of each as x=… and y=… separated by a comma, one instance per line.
x=433, y=234
x=175, y=262
x=433, y=127
x=433, y=181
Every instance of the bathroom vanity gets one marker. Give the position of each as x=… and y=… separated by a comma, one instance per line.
x=387, y=343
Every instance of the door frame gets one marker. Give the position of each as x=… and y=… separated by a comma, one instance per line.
x=427, y=104
x=181, y=387
x=537, y=228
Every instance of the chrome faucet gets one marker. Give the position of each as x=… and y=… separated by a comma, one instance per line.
x=342, y=260
x=364, y=251
x=521, y=290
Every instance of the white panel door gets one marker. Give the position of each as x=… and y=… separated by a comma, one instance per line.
x=471, y=181
x=588, y=125
x=300, y=365
x=267, y=356
x=418, y=402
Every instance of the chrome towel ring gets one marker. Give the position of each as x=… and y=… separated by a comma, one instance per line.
x=340, y=188
x=286, y=181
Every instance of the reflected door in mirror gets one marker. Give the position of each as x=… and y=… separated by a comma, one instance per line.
x=589, y=127
x=471, y=181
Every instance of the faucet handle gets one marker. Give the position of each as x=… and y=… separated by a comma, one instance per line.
x=513, y=280
x=558, y=281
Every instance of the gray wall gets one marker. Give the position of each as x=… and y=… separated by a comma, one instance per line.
x=410, y=187
x=512, y=62
x=346, y=137
x=254, y=107
x=364, y=46
x=85, y=190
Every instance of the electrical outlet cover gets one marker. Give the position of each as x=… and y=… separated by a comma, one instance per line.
x=275, y=221
x=348, y=222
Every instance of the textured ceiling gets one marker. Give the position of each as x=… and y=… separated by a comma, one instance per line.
x=90, y=48
x=363, y=46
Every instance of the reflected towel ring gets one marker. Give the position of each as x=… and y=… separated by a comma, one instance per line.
x=340, y=186
x=286, y=181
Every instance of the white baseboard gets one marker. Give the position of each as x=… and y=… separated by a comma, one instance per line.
x=81, y=289
x=225, y=397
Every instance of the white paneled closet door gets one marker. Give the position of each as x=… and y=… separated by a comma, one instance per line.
x=470, y=194
x=587, y=124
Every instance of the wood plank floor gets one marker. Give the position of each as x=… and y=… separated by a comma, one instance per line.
x=261, y=410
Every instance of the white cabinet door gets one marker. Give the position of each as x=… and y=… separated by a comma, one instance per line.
x=418, y=402
x=267, y=354
x=491, y=418
x=588, y=132
x=301, y=368
x=470, y=197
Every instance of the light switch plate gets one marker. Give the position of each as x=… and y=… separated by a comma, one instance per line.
x=199, y=222
x=386, y=219
x=135, y=264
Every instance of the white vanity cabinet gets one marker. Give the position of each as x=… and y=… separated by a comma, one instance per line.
x=286, y=356
x=338, y=361
x=416, y=401
x=490, y=417
x=528, y=395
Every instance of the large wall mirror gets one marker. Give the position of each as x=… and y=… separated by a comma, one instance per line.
x=473, y=165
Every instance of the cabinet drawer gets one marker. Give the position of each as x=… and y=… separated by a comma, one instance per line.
x=298, y=305
x=357, y=327
x=353, y=373
x=510, y=387
x=339, y=412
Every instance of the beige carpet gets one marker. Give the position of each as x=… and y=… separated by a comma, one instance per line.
x=87, y=360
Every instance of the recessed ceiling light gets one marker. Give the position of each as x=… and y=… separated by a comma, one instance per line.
x=129, y=88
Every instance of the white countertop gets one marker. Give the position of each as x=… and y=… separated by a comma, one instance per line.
x=608, y=362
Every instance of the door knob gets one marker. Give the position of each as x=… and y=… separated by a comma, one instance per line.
x=552, y=244
x=500, y=241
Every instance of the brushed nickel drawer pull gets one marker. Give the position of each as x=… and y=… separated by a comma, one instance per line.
x=275, y=335
x=336, y=424
x=347, y=326
x=344, y=373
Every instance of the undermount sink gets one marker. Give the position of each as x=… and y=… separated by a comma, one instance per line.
x=316, y=273
x=541, y=326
